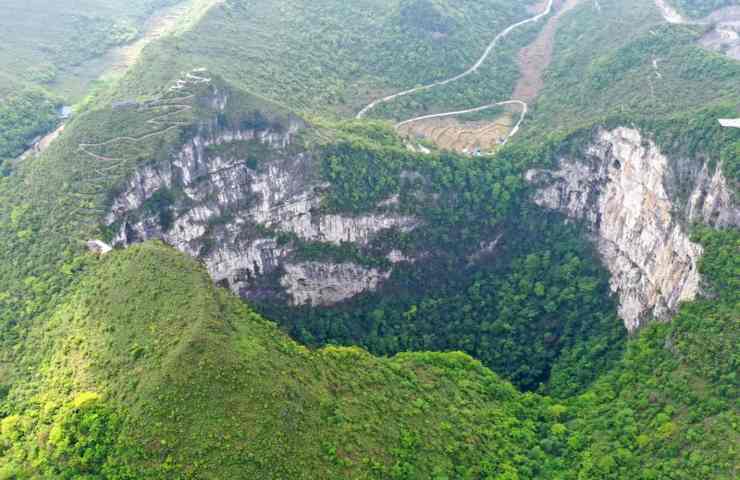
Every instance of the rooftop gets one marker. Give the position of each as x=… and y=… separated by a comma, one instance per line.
x=728, y=122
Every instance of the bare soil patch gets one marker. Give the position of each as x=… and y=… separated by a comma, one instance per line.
x=536, y=57
x=724, y=34
x=462, y=137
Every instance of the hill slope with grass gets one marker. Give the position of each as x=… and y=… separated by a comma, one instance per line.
x=148, y=371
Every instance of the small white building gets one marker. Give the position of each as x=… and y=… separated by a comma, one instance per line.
x=730, y=123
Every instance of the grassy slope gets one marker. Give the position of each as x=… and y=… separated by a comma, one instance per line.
x=218, y=392
x=47, y=48
x=136, y=319
x=44, y=38
x=201, y=387
x=604, y=65
x=53, y=202
x=193, y=385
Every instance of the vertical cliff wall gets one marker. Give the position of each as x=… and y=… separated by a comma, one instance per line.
x=633, y=200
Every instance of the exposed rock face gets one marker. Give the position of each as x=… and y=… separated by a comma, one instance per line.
x=722, y=28
x=628, y=194
x=723, y=34
x=317, y=283
x=712, y=201
x=209, y=201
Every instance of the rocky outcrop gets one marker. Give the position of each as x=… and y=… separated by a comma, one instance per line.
x=712, y=201
x=628, y=194
x=243, y=200
x=321, y=284
x=723, y=32
x=722, y=27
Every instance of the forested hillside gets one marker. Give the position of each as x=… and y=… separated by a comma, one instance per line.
x=700, y=8
x=310, y=56
x=130, y=388
x=42, y=39
x=350, y=303
x=51, y=54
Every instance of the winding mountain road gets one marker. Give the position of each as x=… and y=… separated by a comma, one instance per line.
x=172, y=107
x=165, y=108
x=487, y=53
x=525, y=110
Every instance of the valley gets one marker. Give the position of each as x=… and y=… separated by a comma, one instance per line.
x=114, y=64
x=244, y=256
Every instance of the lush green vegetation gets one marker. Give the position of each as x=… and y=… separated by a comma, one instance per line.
x=504, y=282
x=650, y=70
x=674, y=396
x=539, y=309
x=310, y=56
x=701, y=8
x=44, y=55
x=22, y=117
x=134, y=366
x=615, y=67
x=186, y=421
x=130, y=387
x=43, y=40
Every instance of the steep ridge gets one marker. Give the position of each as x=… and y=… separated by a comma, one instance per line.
x=626, y=191
x=231, y=397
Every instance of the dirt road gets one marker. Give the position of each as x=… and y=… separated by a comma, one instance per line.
x=466, y=73
x=164, y=22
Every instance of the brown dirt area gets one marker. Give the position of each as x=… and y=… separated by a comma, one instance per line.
x=461, y=137
x=470, y=137
x=535, y=58
x=163, y=23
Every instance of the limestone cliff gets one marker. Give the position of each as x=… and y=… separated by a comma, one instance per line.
x=631, y=198
x=242, y=200
x=316, y=283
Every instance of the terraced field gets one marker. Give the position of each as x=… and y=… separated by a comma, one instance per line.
x=460, y=136
x=484, y=137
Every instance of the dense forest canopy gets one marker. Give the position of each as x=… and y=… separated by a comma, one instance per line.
x=701, y=8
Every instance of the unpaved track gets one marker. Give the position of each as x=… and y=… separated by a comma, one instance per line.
x=471, y=70
x=174, y=106
x=160, y=24
x=110, y=168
